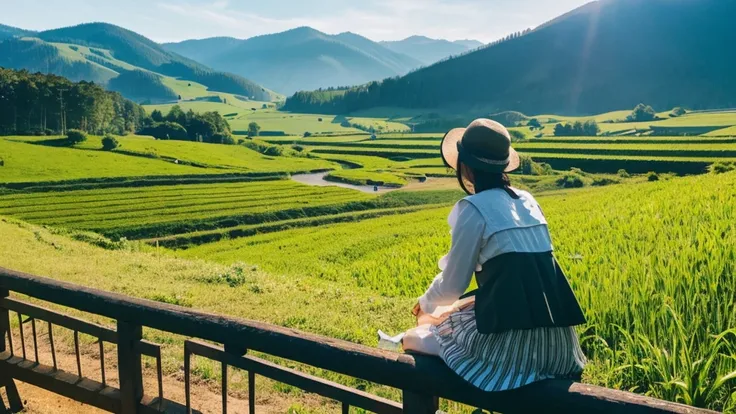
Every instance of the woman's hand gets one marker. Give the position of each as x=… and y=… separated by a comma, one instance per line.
x=416, y=310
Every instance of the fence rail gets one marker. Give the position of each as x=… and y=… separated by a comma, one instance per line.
x=422, y=380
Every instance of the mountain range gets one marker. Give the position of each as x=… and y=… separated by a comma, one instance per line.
x=429, y=51
x=103, y=52
x=606, y=55
x=305, y=58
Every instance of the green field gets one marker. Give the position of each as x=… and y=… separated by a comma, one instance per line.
x=24, y=162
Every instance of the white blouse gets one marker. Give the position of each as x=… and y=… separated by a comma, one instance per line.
x=471, y=247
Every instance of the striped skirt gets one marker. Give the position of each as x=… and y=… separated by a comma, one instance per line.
x=508, y=360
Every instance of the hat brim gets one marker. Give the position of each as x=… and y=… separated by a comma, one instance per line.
x=450, y=153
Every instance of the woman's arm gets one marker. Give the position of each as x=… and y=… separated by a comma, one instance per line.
x=467, y=238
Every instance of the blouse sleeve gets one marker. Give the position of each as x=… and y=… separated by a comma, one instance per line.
x=460, y=262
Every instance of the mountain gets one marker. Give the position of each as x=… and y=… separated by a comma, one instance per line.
x=10, y=31
x=299, y=59
x=607, y=55
x=141, y=85
x=100, y=52
x=428, y=50
x=204, y=49
x=469, y=43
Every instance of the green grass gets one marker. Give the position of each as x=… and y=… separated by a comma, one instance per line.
x=724, y=132
x=24, y=162
x=367, y=177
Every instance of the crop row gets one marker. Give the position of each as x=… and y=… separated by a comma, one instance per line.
x=132, y=194
x=612, y=164
x=201, y=237
x=168, y=206
x=102, y=220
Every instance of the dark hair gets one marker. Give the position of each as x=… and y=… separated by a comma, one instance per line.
x=483, y=180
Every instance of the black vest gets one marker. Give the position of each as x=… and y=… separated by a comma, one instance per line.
x=520, y=291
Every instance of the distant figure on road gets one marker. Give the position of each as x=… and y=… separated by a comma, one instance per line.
x=518, y=327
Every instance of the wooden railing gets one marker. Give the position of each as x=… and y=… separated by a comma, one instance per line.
x=422, y=380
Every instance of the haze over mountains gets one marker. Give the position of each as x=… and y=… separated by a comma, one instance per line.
x=607, y=55
x=306, y=59
x=428, y=50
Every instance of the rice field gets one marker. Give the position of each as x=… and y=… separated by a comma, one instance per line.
x=164, y=210
x=655, y=277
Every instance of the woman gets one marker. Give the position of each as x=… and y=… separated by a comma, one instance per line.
x=518, y=326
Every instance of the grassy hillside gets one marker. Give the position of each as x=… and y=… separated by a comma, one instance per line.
x=139, y=85
x=99, y=52
x=584, y=62
x=299, y=59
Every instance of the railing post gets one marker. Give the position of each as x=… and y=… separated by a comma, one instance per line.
x=4, y=321
x=16, y=405
x=129, y=366
x=415, y=403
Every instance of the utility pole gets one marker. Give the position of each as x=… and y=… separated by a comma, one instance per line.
x=62, y=114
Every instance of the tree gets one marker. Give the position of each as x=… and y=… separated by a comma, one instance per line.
x=180, y=97
x=642, y=113
x=534, y=123
x=253, y=129
x=591, y=128
x=157, y=116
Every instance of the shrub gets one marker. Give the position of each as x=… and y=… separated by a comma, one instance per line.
x=298, y=148
x=307, y=134
x=721, y=167
x=75, y=136
x=653, y=176
x=319, y=119
x=570, y=181
x=345, y=124
x=166, y=130
x=109, y=142
x=516, y=135
x=2, y=162
x=600, y=182
x=623, y=173
x=48, y=131
x=220, y=138
x=678, y=111
x=527, y=166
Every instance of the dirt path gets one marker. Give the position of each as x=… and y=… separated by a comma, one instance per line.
x=206, y=396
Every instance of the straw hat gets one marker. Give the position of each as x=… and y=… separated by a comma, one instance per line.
x=484, y=145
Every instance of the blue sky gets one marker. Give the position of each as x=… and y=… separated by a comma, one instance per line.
x=173, y=20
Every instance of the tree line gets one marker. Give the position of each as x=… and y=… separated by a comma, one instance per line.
x=41, y=104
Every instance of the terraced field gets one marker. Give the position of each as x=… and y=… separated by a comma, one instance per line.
x=164, y=210
x=183, y=214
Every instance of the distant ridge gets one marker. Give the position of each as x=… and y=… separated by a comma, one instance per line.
x=428, y=51
x=668, y=53
x=299, y=59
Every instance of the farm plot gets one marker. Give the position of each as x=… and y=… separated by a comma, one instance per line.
x=164, y=210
